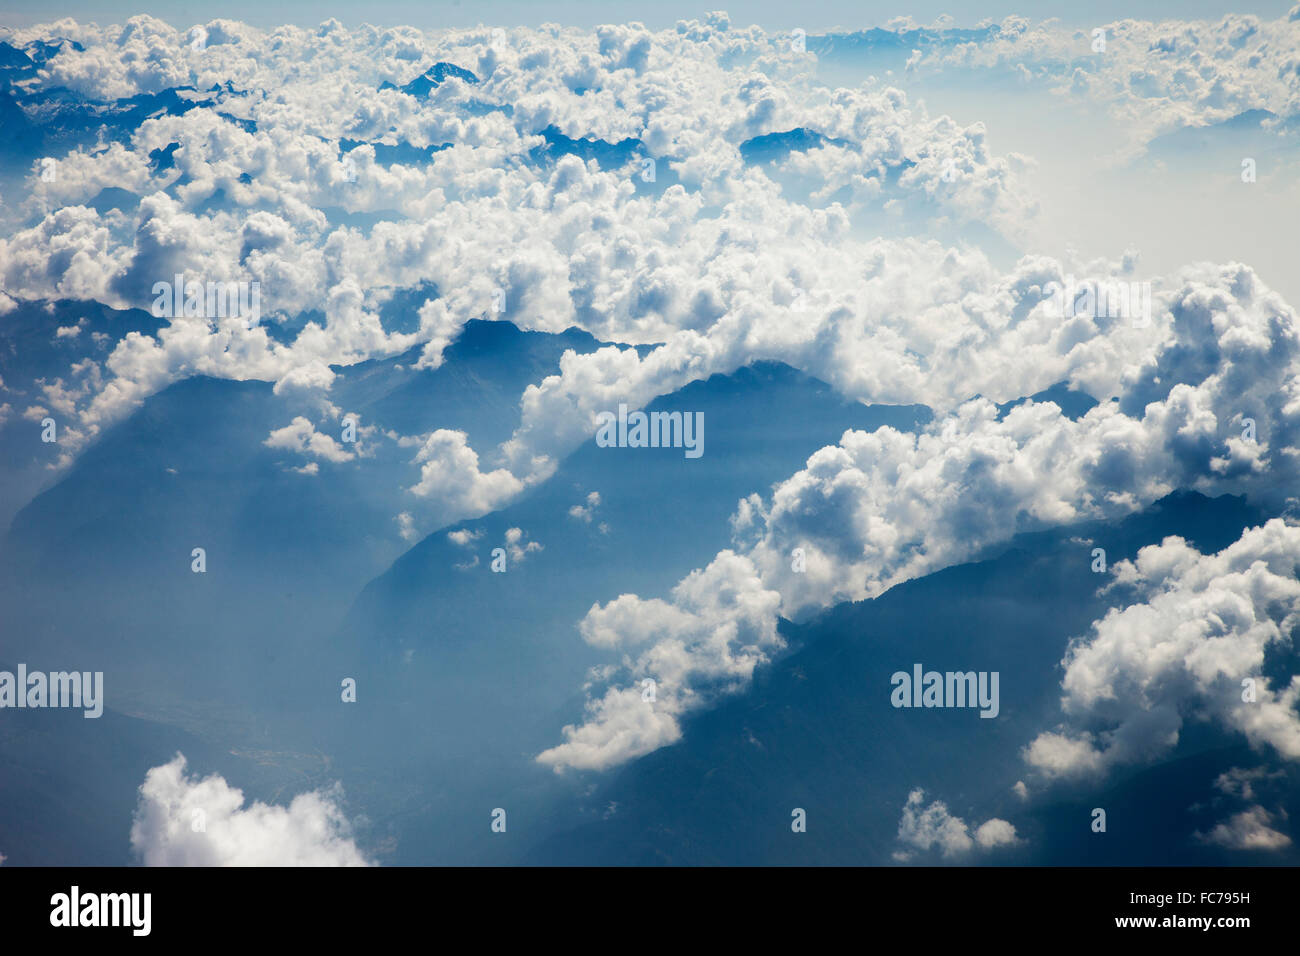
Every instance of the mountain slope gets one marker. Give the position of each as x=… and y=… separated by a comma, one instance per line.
x=817, y=730
x=480, y=670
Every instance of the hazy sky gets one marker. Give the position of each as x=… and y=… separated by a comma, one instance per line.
x=767, y=13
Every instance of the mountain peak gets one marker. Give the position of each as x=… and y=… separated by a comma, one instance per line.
x=432, y=77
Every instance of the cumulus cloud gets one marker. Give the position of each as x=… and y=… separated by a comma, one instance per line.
x=256, y=178
x=1192, y=644
x=1251, y=829
x=517, y=545
x=463, y=537
x=680, y=655
x=300, y=436
x=450, y=478
x=584, y=512
x=883, y=507
x=309, y=377
x=924, y=827
x=181, y=820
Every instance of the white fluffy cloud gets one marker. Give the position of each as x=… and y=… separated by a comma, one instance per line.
x=883, y=507
x=679, y=656
x=1251, y=829
x=1198, y=631
x=301, y=437
x=517, y=545
x=584, y=512
x=566, y=245
x=925, y=827
x=185, y=821
x=450, y=477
